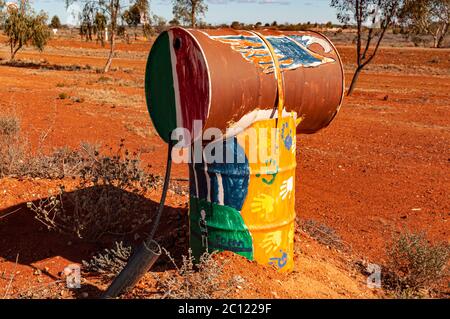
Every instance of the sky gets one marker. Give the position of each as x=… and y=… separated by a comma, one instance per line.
x=226, y=11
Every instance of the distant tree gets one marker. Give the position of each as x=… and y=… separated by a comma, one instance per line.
x=111, y=9
x=189, y=11
x=174, y=22
x=132, y=16
x=137, y=14
x=87, y=18
x=258, y=25
x=144, y=9
x=329, y=25
x=235, y=25
x=100, y=25
x=427, y=17
x=23, y=27
x=55, y=23
x=2, y=14
x=372, y=18
x=159, y=23
x=274, y=24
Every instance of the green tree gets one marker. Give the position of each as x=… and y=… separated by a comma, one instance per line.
x=189, y=11
x=111, y=9
x=24, y=27
x=144, y=9
x=55, y=23
x=132, y=16
x=372, y=18
x=159, y=23
x=236, y=25
x=100, y=25
x=136, y=14
x=427, y=17
x=87, y=17
x=174, y=22
x=2, y=14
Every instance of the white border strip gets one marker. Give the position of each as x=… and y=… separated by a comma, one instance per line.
x=176, y=86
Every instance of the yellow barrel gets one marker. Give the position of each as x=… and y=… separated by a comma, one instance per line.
x=249, y=207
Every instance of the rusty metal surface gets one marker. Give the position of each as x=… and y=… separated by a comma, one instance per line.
x=237, y=76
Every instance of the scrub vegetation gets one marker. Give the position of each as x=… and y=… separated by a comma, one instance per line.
x=91, y=202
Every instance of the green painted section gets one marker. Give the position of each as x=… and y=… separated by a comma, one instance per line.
x=159, y=88
x=226, y=230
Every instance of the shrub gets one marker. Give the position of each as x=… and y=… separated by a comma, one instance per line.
x=109, y=198
x=77, y=99
x=191, y=281
x=61, y=163
x=63, y=96
x=9, y=126
x=104, y=79
x=415, y=265
x=322, y=233
x=12, y=146
x=109, y=262
x=55, y=23
x=17, y=160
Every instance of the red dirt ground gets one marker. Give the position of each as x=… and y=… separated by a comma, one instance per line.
x=380, y=168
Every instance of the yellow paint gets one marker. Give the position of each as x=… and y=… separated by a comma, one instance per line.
x=269, y=210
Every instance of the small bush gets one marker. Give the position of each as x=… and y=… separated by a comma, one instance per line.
x=191, y=281
x=12, y=146
x=109, y=199
x=322, y=233
x=63, y=96
x=414, y=265
x=9, y=126
x=109, y=262
x=104, y=79
x=77, y=99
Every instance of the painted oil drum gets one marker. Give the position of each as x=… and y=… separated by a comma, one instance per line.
x=247, y=206
x=220, y=77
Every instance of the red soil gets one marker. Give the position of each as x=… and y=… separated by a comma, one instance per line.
x=380, y=168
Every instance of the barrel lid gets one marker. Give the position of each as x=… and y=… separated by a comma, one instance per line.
x=177, y=83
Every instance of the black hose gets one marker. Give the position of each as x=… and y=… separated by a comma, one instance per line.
x=147, y=254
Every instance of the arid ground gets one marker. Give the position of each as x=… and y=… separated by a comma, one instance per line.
x=381, y=168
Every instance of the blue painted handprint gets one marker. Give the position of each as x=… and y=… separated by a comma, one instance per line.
x=287, y=137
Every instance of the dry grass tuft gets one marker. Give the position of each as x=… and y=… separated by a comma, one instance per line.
x=109, y=200
x=109, y=262
x=415, y=267
x=195, y=281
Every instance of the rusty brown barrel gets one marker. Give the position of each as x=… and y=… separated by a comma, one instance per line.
x=227, y=77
